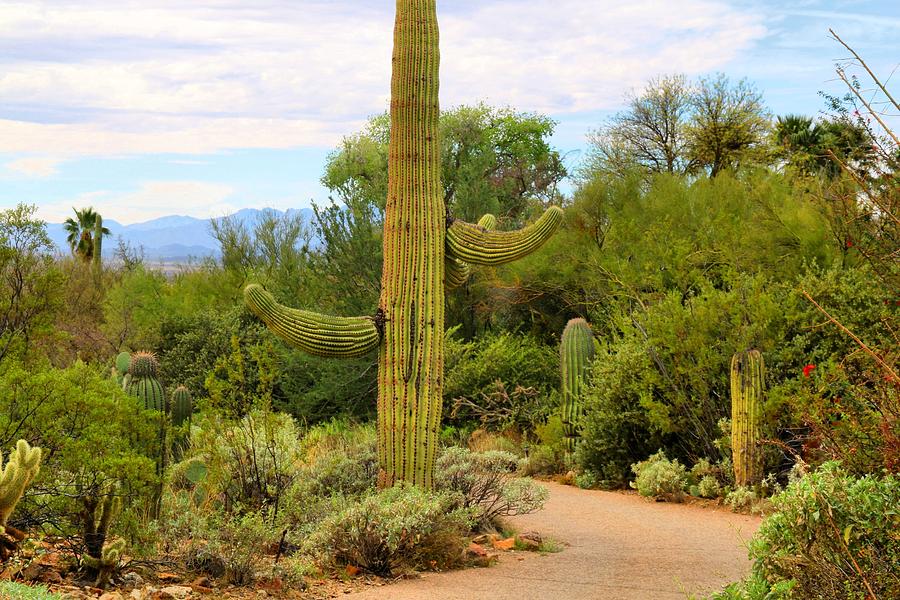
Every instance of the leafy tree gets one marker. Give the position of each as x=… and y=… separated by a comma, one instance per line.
x=80, y=232
x=493, y=160
x=728, y=125
x=651, y=132
x=30, y=282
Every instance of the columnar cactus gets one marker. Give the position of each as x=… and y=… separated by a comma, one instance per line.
x=408, y=327
x=576, y=350
x=182, y=406
x=102, y=556
x=21, y=467
x=747, y=380
x=98, y=245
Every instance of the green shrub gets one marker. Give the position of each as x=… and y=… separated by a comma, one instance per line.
x=835, y=535
x=659, y=478
x=741, y=499
x=709, y=487
x=9, y=590
x=93, y=436
x=500, y=362
x=541, y=460
x=486, y=484
x=394, y=530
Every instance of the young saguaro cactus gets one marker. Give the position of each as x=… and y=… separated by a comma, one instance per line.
x=419, y=235
x=747, y=381
x=20, y=469
x=576, y=350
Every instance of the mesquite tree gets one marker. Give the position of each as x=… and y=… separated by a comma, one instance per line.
x=420, y=239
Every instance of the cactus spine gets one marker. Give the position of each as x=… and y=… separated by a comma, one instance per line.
x=747, y=380
x=21, y=467
x=408, y=327
x=576, y=350
x=182, y=406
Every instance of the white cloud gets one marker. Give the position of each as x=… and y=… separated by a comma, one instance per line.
x=34, y=166
x=152, y=199
x=165, y=76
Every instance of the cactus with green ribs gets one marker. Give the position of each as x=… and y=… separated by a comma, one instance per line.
x=182, y=406
x=576, y=350
x=747, y=381
x=145, y=386
x=420, y=238
x=21, y=467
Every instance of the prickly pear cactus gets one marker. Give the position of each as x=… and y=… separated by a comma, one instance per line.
x=747, y=381
x=576, y=350
x=419, y=237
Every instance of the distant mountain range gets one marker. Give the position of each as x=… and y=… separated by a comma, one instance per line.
x=172, y=238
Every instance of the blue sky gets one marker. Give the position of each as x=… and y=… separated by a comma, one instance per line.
x=145, y=108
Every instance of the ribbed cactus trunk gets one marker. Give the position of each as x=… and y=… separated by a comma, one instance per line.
x=747, y=380
x=419, y=236
x=411, y=356
x=98, y=246
x=576, y=350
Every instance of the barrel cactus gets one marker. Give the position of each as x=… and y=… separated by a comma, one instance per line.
x=144, y=385
x=182, y=406
x=20, y=469
x=576, y=350
x=419, y=236
x=747, y=380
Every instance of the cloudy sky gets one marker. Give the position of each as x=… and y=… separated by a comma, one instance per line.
x=154, y=107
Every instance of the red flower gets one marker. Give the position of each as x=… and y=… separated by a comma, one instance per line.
x=849, y=243
x=808, y=369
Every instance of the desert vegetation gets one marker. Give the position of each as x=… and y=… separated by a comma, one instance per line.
x=709, y=316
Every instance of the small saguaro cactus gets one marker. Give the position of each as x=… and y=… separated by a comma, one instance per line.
x=747, y=381
x=420, y=236
x=20, y=469
x=182, y=406
x=576, y=350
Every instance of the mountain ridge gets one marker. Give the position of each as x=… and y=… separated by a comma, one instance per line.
x=171, y=237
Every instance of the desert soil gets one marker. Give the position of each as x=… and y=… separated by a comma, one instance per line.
x=615, y=546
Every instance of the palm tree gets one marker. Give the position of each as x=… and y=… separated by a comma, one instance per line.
x=81, y=232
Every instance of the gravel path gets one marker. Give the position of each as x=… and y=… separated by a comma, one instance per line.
x=617, y=546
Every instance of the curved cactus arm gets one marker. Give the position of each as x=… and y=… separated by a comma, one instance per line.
x=457, y=272
x=317, y=334
x=478, y=246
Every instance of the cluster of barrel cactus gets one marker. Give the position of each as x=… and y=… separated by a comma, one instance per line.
x=21, y=467
x=747, y=380
x=576, y=350
x=425, y=251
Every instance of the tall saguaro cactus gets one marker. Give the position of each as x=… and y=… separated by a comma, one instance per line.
x=576, y=349
x=98, y=246
x=747, y=380
x=419, y=235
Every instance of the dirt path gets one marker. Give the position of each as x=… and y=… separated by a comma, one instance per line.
x=617, y=547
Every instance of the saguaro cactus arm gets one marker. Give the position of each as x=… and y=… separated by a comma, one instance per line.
x=457, y=272
x=478, y=246
x=317, y=334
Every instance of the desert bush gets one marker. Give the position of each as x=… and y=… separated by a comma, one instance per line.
x=741, y=499
x=250, y=461
x=835, y=535
x=487, y=485
x=708, y=487
x=505, y=369
x=541, y=460
x=93, y=437
x=659, y=478
x=393, y=530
